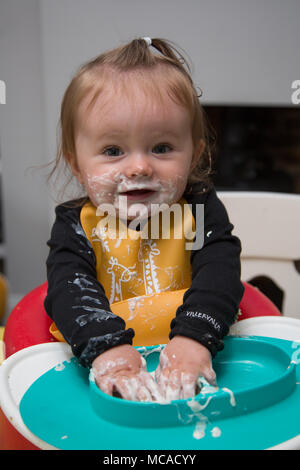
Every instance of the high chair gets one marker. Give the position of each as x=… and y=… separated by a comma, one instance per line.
x=268, y=225
x=28, y=323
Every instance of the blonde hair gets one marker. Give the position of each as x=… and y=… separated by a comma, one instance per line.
x=164, y=70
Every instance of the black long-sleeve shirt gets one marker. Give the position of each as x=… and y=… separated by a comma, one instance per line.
x=77, y=303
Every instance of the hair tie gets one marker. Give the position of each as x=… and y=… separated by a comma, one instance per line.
x=148, y=41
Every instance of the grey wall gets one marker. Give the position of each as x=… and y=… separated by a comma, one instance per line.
x=22, y=132
x=243, y=52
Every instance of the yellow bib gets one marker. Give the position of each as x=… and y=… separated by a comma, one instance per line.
x=144, y=273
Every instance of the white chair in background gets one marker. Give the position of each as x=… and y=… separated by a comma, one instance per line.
x=268, y=225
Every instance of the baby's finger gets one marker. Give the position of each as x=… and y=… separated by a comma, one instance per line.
x=162, y=377
x=143, y=394
x=105, y=383
x=188, y=385
x=126, y=387
x=152, y=386
x=173, y=386
x=157, y=373
x=210, y=375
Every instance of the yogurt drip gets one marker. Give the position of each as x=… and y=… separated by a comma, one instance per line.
x=197, y=408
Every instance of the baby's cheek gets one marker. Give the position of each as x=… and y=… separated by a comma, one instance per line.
x=174, y=188
x=100, y=190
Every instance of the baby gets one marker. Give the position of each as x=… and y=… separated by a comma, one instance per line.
x=133, y=134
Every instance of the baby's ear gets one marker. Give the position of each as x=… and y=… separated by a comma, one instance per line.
x=72, y=162
x=198, y=151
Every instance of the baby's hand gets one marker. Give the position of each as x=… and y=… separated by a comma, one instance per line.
x=121, y=371
x=182, y=361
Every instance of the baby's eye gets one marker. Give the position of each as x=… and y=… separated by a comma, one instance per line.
x=161, y=148
x=113, y=152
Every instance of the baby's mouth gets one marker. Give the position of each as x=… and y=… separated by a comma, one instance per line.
x=137, y=194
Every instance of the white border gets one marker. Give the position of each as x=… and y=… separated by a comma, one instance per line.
x=43, y=357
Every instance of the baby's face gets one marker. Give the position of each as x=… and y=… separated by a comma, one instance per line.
x=133, y=153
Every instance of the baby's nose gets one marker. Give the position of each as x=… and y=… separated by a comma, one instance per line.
x=138, y=166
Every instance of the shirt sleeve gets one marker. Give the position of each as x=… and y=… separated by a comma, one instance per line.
x=75, y=300
x=211, y=304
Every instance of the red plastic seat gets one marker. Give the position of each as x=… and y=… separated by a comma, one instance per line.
x=28, y=323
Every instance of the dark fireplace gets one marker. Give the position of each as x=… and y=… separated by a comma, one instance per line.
x=256, y=148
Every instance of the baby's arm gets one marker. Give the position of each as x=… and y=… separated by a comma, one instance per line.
x=77, y=303
x=211, y=304
x=75, y=300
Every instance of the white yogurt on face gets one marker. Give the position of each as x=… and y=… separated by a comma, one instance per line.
x=109, y=188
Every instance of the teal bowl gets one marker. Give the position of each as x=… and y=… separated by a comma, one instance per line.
x=251, y=374
x=254, y=406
